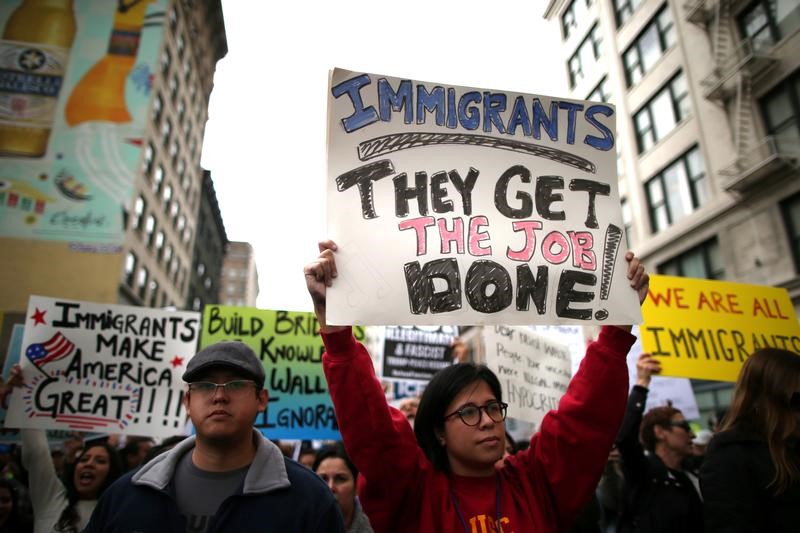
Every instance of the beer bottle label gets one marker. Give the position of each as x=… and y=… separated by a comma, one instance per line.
x=31, y=76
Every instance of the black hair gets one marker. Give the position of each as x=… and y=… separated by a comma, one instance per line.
x=69, y=518
x=335, y=451
x=443, y=387
x=15, y=521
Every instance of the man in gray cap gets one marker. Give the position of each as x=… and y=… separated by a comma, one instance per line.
x=226, y=478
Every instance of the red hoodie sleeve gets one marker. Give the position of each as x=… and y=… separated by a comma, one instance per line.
x=378, y=437
x=571, y=447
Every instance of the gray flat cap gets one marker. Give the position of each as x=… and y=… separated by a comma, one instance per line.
x=232, y=354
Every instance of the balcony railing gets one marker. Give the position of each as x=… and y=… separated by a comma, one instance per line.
x=698, y=12
x=754, y=57
x=769, y=158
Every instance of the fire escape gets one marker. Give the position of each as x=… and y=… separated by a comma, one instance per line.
x=738, y=64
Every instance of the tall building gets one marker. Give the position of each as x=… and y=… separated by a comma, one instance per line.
x=239, y=284
x=209, y=250
x=164, y=215
x=100, y=191
x=707, y=94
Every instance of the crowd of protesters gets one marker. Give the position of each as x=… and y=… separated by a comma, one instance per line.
x=441, y=462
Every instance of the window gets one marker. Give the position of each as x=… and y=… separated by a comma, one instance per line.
x=702, y=261
x=138, y=210
x=149, y=229
x=186, y=70
x=148, y=158
x=207, y=283
x=627, y=221
x=181, y=223
x=141, y=281
x=187, y=235
x=656, y=38
x=197, y=303
x=158, y=106
x=662, y=113
x=180, y=45
x=173, y=18
x=677, y=191
x=166, y=197
x=159, y=243
x=601, y=92
x=130, y=268
x=158, y=179
x=586, y=55
x=781, y=108
x=173, y=151
x=765, y=22
x=153, y=292
x=201, y=269
x=791, y=216
x=173, y=88
x=166, y=130
x=623, y=9
x=167, y=255
x=166, y=60
x=182, y=115
x=577, y=10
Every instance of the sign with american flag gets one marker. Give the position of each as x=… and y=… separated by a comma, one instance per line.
x=103, y=368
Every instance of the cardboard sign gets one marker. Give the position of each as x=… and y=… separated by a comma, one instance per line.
x=454, y=205
x=416, y=352
x=289, y=345
x=103, y=368
x=707, y=329
x=534, y=371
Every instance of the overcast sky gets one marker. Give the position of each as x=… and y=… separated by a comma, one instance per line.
x=265, y=139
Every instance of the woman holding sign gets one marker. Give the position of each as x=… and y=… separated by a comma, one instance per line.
x=751, y=474
x=63, y=505
x=441, y=475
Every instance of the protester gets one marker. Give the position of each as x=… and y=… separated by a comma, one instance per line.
x=67, y=504
x=661, y=496
x=134, y=451
x=226, y=478
x=11, y=520
x=611, y=493
x=308, y=455
x=751, y=474
x=335, y=468
x=445, y=478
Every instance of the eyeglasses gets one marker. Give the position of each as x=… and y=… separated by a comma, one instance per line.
x=231, y=388
x=683, y=424
x=470, y=414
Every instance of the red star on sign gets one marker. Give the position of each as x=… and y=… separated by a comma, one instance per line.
x=176, y=361
x=38, y=317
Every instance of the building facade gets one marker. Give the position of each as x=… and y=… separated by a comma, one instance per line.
x=239, y=285
x=163, y=220
x=209, y=250
x=707, y=94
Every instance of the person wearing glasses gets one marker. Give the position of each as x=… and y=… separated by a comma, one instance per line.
x=751, y=475
x=440, y=475
x=661, y=494
x=228, y=477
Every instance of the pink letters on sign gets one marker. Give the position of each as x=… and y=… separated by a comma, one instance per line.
x=418, y=225
x=528, y=226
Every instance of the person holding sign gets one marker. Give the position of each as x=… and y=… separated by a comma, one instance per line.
x=751, y=475
x=226, y=478
x=441, y=475
x=662, y=495
x=66, y=504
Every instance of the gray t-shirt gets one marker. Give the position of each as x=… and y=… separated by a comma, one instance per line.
x=199, y=493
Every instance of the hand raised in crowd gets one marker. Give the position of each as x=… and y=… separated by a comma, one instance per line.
x=646, y=366
x=639, y=279
x=14, y=380
x=319, y=276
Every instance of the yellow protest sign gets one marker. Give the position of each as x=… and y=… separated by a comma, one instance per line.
x=706, y=329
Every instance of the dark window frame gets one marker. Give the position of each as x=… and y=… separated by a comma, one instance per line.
x=635, y=46
x=704, y=248
x=646, y=108
x=692, y=183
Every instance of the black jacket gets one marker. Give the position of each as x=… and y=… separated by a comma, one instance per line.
x=735, y=477
x=657, y=499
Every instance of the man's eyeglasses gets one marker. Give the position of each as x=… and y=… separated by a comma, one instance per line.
x=231, y=388
x=683, y=424
x=470, y=414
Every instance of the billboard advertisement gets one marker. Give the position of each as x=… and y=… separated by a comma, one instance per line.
x=76, y=82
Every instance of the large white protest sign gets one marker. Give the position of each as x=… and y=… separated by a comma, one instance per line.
x=103, y=368
x=534, y=371
x=454, y=205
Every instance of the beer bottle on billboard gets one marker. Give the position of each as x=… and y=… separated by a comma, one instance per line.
x=100, y=94
x=34, y=50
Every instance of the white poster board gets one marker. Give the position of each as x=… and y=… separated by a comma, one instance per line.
x=533, y=370
x=103, y=368
x=455, y=205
